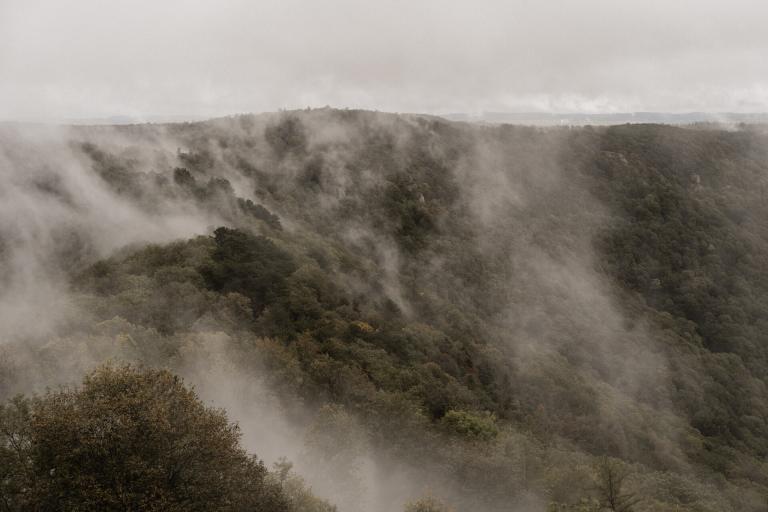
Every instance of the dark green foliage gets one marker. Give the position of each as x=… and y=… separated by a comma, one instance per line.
x=259, y=212
x=407, y=208
x=183, y=178
x=152, y=189
x=690, y=243
x=199, y=161
x=128, y=440
x=287, y=136
x=250, y=265
x=117, y=172
x=312, y=175
x=471, y=425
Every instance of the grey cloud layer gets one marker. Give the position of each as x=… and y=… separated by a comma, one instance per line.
x=88, y=59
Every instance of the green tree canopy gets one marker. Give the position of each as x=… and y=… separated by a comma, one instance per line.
x=127, y=439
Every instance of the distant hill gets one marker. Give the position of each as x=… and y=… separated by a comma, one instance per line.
x=522, y=118
x=579, y=119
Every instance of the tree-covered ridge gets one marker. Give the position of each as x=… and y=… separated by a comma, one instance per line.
x=522, y=314
x=692, y=243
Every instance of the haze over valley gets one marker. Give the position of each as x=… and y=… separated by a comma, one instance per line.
x=219, y=293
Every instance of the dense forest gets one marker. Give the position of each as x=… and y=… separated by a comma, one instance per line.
x=393, y=312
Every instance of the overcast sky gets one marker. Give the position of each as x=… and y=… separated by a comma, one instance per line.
x=95, y=58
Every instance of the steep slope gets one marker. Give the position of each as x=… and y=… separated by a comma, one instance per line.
x=487, y=312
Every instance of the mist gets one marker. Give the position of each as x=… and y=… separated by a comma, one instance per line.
x=384, y=257
x=494, y=234
x=81, y=61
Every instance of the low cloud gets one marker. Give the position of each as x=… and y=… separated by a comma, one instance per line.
x=80, y=60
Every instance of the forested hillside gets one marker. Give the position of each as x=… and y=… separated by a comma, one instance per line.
x=411, y=310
